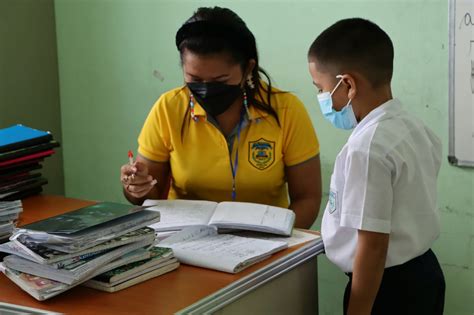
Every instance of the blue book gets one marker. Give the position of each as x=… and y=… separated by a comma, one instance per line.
x=19, y=136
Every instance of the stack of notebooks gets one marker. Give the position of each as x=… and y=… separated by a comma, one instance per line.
x=22, y=150
x=161, y=261
x=9, y=211
x=53, y=255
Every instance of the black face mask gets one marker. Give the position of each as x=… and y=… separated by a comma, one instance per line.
x=214, y=97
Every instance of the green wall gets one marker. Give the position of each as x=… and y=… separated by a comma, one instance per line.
x=29, y=90
x=109, y=52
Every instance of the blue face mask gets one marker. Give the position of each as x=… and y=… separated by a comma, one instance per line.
x=343, y=119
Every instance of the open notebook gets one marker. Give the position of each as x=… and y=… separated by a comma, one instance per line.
x=178, y=214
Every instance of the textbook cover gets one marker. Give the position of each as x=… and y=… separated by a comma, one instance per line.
x=83, y=218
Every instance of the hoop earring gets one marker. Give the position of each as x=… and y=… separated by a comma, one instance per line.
x=249, y=81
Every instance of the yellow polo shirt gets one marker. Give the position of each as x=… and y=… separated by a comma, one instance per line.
x=199, y=156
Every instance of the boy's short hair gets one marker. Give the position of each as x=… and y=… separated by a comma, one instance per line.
x=355, y=44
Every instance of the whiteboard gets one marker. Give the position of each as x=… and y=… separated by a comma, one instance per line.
x=461, y=82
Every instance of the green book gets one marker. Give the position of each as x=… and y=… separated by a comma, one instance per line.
x=83, y=218
x=174, y=264
x=157, y=256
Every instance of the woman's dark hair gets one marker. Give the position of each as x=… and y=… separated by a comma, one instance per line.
x=220, y=30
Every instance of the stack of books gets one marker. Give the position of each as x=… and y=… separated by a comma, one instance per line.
x=53, y=255
x=22, y=150
x=9, y=211
x=161, y=261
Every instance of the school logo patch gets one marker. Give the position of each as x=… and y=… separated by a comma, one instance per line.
x=261, y=153
x=332, y=202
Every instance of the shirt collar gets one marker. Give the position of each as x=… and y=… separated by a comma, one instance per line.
x=382, y=112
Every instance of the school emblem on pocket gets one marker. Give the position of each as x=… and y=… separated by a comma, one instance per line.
x=261, y=153
x=332, y=201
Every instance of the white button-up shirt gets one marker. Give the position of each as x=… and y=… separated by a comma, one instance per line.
x=384, y=180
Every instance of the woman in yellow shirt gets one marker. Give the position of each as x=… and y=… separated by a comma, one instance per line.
x=226, y=134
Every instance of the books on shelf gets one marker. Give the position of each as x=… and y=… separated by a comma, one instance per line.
x=161, y=261
x=178, y=214
x=202, y=246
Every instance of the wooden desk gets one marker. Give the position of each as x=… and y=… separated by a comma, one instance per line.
x=289, y=287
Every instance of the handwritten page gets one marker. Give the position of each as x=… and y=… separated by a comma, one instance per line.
x=297, y=237
x=253, y=216
x=177, y=214
x=204, y=247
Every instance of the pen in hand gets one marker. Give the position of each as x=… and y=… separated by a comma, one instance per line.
x=130, y=157
x=129, y=179
x=130, y=161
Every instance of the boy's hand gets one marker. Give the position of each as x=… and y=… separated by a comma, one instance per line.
x=369, y=265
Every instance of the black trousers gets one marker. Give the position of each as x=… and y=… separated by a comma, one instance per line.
x=415, y=287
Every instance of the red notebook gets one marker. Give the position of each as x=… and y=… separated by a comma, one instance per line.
x=27, y=157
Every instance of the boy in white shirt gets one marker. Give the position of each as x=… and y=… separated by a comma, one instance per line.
x=381, y=218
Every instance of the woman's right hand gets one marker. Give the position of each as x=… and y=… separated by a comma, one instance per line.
x=136, y=180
